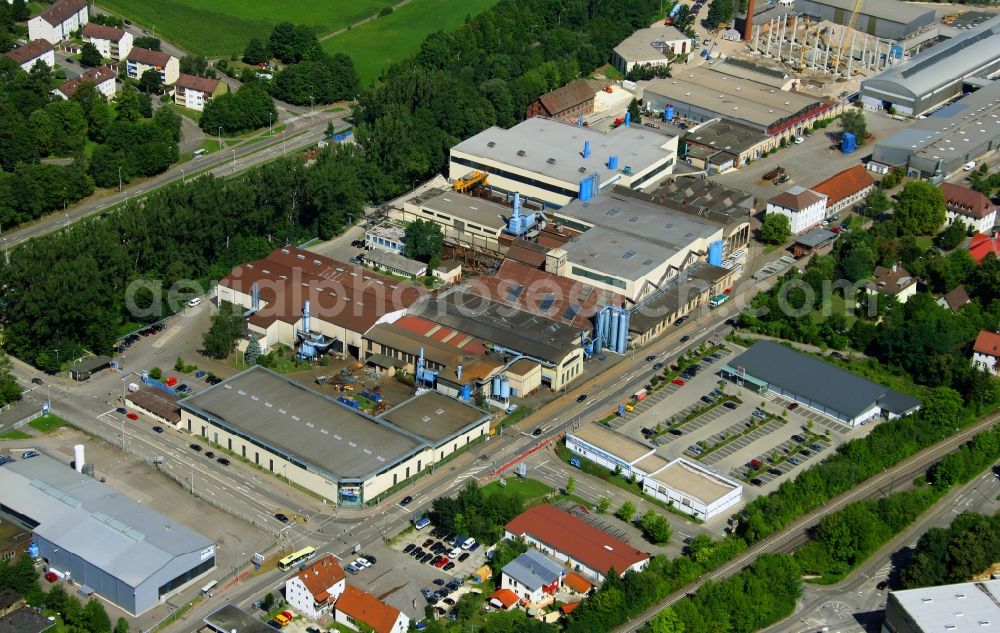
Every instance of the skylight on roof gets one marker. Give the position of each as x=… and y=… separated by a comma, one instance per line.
x=547, y=302
x=628, y=255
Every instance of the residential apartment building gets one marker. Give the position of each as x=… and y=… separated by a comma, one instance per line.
x=56, y=23
x=102, y=77
x=140, y=60
x=34, y=51
x=112, y=43
x=971, y=207
x=356, y=607
x=893, y=281
x=846, y=189
x=194, y=92
x=803, y=208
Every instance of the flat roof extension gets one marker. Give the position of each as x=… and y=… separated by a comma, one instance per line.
x=435, y=416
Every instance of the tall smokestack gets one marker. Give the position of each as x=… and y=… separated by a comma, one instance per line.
x=748, y=24
x=78, y=459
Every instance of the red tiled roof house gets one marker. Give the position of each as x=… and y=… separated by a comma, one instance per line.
x=985, y=351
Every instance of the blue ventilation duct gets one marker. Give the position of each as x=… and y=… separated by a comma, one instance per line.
x=465, y=392
x=715, y=253
x=613, y=331
x=628, y=119
x=585, y=190
x=613, y=162
x=586, y=149
x=622, y=332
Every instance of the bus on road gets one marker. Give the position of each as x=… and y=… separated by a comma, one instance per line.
x=295, y=558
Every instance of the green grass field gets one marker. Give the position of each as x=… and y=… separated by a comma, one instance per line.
x=376, y=45
x=220, y=27
x=530, y=489
x=14, y=434
x=47, y=423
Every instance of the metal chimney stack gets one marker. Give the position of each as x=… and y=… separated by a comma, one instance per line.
x=748, y=24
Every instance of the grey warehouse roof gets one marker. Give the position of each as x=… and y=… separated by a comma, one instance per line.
x=630, y=237
x=123, y=538
x=482, y=212
x=942, y=135
x=815, y=237
x=435, y=416
x=941, y=64
x=533, y=569
x=890, y=10
x=954, y=608
x=818, y=381
x=639, y=47
x=303, y=424
x=385, y=259
x=555, y=149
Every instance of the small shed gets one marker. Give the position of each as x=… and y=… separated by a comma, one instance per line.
x=86, y=367
x=813, y=241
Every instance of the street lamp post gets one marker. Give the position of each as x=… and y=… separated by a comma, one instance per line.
x=269, y=132
x=234, y=161
x=220, y=137
x=182, y=176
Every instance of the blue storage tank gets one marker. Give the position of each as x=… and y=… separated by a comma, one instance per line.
x=668, y=113
x=495, y=386
x=505, y=389
x=623, y=332
x=715, y=253
x=33, y=550
x=848, y=142
x=896, y=51
x=585, y=190
x=613, y=332
x=613, y=162
x=465, y=393
x=628, y=119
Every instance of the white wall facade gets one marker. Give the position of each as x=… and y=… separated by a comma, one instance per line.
x=303, y=601
x=39, y=29
x=849, y=201
x=48, y=58
x=804, y=219
x=113, y=50
x=687, y=503
x=401, y=625
x=984, y=361
x=579, y=567
x=602, y=457
x=521, y=591
x=982, y=225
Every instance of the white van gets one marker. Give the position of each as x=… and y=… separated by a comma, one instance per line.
x=193, y=302
x=469, y=542
x=197, y=153
x=969, y=166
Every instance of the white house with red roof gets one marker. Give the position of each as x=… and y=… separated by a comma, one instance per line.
x=982, y=244
x=583, y=547
x=985, y=351
x=356, y=607
x=111, y=42
x=314, y=590
x=969, y=206
x=57, y=22
x=845, y=189
x=28, y=54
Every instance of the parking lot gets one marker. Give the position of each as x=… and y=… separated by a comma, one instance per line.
x=401, y=579
x=735, y=427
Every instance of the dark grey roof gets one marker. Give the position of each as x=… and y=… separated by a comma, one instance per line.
x=90, y=364
x=497, y=323
x=899, y=403
x=231, y=619
x=815, y=237
x=25, y=620
x=816, y=380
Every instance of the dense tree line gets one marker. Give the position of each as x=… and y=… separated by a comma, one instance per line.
x=69, y=288
x=954, y=554
x=249, y=108
x=35, y=124
x=473, y=514
x=20, y=575
x=485, y=74
x=227, y=325
x=10, y=14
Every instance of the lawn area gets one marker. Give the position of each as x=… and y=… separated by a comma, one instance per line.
x=47, y=423
x=220, y=27
x=14, y=434
x=530, y=489
x=376, y=45
x=835, y=304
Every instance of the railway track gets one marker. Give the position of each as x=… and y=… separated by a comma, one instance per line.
x=795, y=534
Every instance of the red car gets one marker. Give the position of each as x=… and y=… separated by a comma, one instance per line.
x=51, y=577
x=444, y=561
x=132, y=416
x=678, y=382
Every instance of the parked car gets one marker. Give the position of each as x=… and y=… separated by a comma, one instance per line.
x=730, y=405
x=200, y=373
x=678, y=382
x=409, y=548
x=798, y=438
x=438, y=581
x=210, y=454
x=707, y=399
x=755, y=464
x=793, y=406
x=281, y=517
x=581, y=397
x=428, y=542
x=775, y=472
x=182, y=388
x=794, y=460
x=448, y=566
x=463, y=557
x=685, y=338
x=757, y=481
x=442, y=562
x=362, y=562
x=405, y=500
x=132, y=416
x=195, y=448
x=474, y=547
x=224, y=461
x=537, y=432
x=651, y=358
x=676, y=432
x=426, y=558
x=816, y=447
x=38, y=381
x=29, y=454
x=351, y=568
x=158, y=429
x=657, y=366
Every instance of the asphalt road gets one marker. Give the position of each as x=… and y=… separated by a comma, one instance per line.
x=300, y=132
